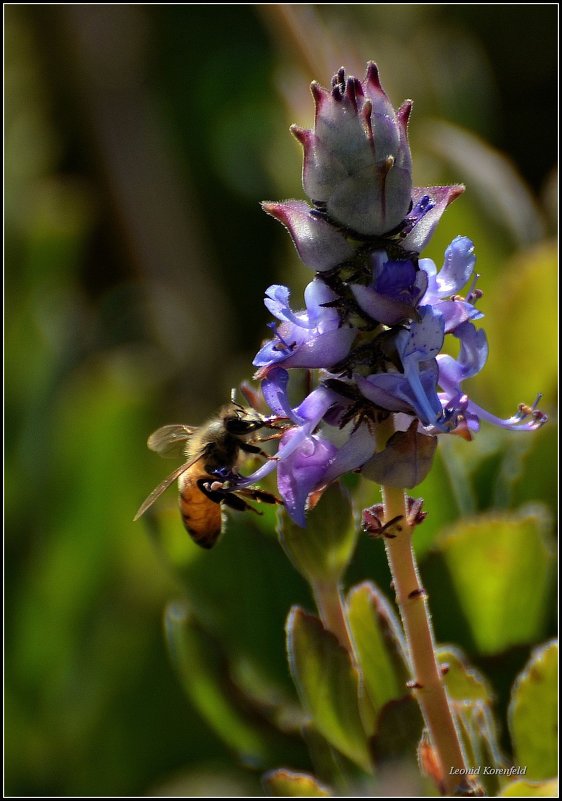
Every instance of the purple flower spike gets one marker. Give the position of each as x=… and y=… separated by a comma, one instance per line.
x=320, y=245
x=376, y=314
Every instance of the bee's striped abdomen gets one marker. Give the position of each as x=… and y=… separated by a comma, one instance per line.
x=201, y=516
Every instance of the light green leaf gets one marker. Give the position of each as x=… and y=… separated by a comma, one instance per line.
x=532, y=714
x=328, y=684
x=323, y=549
x=501, y=568
x=523, y=789
x=287, y=783
x=471, y=697
x=482, y=724
x=379, y=643
x=463, y=682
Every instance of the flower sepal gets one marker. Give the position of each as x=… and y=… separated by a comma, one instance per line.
x=405, y=461
x=321, y=551
x=321, y=246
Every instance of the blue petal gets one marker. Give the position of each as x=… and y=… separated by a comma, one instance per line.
x=424, y=339
x=301, y=472
x=358, y=448
x=274, y=390
x=458, y=266
x=322, y=350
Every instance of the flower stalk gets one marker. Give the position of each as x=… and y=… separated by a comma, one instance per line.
x=427, y=684
x=330, y=605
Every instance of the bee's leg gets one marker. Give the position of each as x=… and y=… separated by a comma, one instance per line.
x=277, y=435
x=229, y=498
x=234, y=502
x=214, y=495
x=247, y=448
x=259, y=495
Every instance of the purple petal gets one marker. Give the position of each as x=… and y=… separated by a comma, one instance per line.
x=314, y=406
x=274, y=390
x=388, y=390
x=456, y=312
x=471, y=359
x=358, y=448
x=322, y=350
x=277, y=301
x=301, y=472
x=394, y=391
x=514, y=423
x=424, y=339
x=426, y=403
x=458, y=266
x=395, y=277
x=289, y=339
x=381, y=307
x=316, y=294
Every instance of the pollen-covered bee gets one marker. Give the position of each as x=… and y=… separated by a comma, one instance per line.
x=212, y=453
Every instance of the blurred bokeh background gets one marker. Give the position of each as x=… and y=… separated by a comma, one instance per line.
x=139, y=141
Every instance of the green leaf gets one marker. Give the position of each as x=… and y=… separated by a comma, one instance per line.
x=379, y=644
x=463, y=682
x=323, y=549
x=329, y=763
x=526, y=288
x=471, y=696
x=289, y=784
x=523, y=789
x=532, y=714
x=206, y=679
x=399, y=730
x=482, y=727
x=241, y=589
x=501, y=568
x=328, y=684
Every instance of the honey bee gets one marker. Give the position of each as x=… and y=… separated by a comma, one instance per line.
x=212, y=453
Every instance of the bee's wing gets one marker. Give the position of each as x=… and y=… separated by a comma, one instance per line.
x=170, y=440
x=163, y=486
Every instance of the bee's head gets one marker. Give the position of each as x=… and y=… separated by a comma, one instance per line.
x=241, y=421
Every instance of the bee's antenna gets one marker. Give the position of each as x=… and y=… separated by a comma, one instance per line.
x=233, y=399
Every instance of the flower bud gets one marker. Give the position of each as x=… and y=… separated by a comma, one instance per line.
x=357, y=161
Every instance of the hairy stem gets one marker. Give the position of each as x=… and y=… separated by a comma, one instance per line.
x=428, y=686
